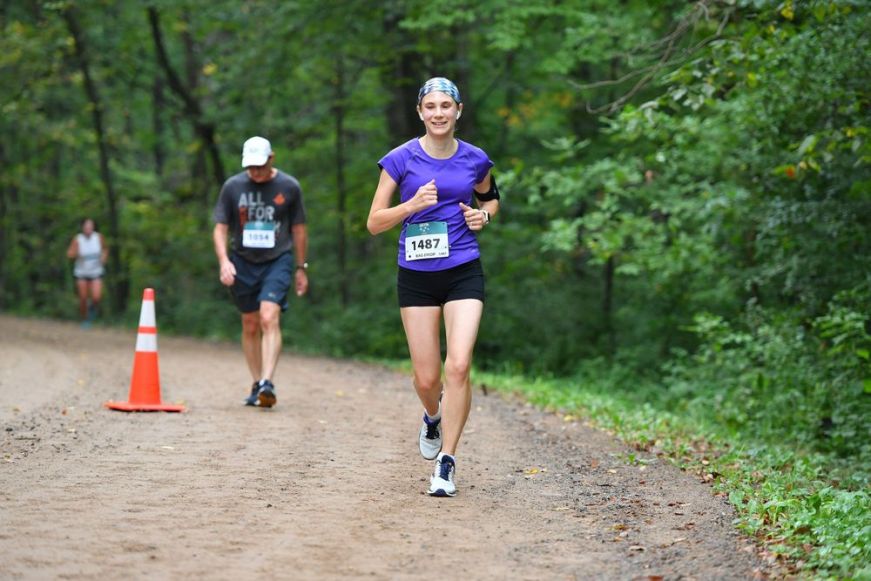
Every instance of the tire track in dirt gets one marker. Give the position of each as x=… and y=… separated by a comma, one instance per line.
x=326, y=485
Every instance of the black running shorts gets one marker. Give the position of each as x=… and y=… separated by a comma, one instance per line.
x=261, y=281
x=418, y=288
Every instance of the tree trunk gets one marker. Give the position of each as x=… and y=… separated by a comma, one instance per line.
x=119, y=272
x=341, y=193
x=585, y=125
x=192, y=67
x=510, y=102
x=400, y=80
x=608, y=303
x=608, y=291
x=468, y=123
x=204, y=129
x=3, y=229
x=158, y=104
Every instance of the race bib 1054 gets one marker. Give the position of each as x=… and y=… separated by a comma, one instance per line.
x=258, y=235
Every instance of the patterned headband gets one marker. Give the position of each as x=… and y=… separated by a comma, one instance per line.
x=439, y=84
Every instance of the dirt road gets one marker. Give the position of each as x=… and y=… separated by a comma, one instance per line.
x=326, y=485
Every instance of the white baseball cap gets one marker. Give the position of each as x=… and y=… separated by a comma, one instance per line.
x=256, y=151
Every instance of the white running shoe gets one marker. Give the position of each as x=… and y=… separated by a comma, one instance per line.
x=430, y=438
x=442, y=481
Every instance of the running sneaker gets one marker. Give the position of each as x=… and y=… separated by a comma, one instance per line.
x=252, y=399
x=266, y=395
x=442, y=481
x=430, y=438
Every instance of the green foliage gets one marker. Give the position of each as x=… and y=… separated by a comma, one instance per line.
x=702, y=249
x=788, y=501
x=811, y=508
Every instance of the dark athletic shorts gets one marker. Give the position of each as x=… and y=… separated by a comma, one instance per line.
x=433, y=289
x=261, y=281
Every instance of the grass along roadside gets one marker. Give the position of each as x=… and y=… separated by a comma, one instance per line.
x=802, y=513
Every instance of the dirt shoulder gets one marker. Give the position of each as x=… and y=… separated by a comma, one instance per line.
x=326, y=485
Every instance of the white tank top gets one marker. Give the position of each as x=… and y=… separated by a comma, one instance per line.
x=88, y=264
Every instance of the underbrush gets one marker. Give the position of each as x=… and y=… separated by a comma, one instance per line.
x=775, y=416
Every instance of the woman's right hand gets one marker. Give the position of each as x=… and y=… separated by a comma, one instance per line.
x=425, y=197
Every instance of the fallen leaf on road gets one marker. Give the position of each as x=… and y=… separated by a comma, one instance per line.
x=612, y=471
x=531, y=471
x=637, y=548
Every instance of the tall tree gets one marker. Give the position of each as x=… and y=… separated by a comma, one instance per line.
x=339, y=108
x=401, y=75
x=121, y=281
x=204, y=128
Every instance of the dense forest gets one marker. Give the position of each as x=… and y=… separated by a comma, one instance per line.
x=686, y=213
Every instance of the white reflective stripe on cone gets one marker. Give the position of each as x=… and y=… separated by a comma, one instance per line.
x=146, y=342
x=146, y=315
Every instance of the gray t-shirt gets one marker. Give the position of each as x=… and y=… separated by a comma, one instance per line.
x=260, y=215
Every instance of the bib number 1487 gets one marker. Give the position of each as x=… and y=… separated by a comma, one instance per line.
x=426, y=240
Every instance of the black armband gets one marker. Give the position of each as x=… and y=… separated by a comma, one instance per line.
x=491, y=194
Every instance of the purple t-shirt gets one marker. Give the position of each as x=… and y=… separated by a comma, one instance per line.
x=455, y=178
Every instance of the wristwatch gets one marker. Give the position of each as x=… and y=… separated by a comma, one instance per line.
x=303, y=266
x=486, y=216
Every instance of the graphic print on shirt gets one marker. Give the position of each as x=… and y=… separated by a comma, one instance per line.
x=257, y=220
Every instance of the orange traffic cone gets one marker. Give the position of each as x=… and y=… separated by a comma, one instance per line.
x=145, y=385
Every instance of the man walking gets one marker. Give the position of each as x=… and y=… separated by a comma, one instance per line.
x=261, y=211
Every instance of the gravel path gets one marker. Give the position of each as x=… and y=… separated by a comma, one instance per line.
x=326, y=485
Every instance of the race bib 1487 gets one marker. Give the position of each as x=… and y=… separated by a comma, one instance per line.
x=426, y=240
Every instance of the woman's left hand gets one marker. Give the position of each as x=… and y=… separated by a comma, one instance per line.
x=475, y=219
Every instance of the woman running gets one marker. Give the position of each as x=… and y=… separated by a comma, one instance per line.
x=89, y=250
x=439, y=264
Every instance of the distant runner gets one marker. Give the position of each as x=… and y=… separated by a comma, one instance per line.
x=89, y=250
